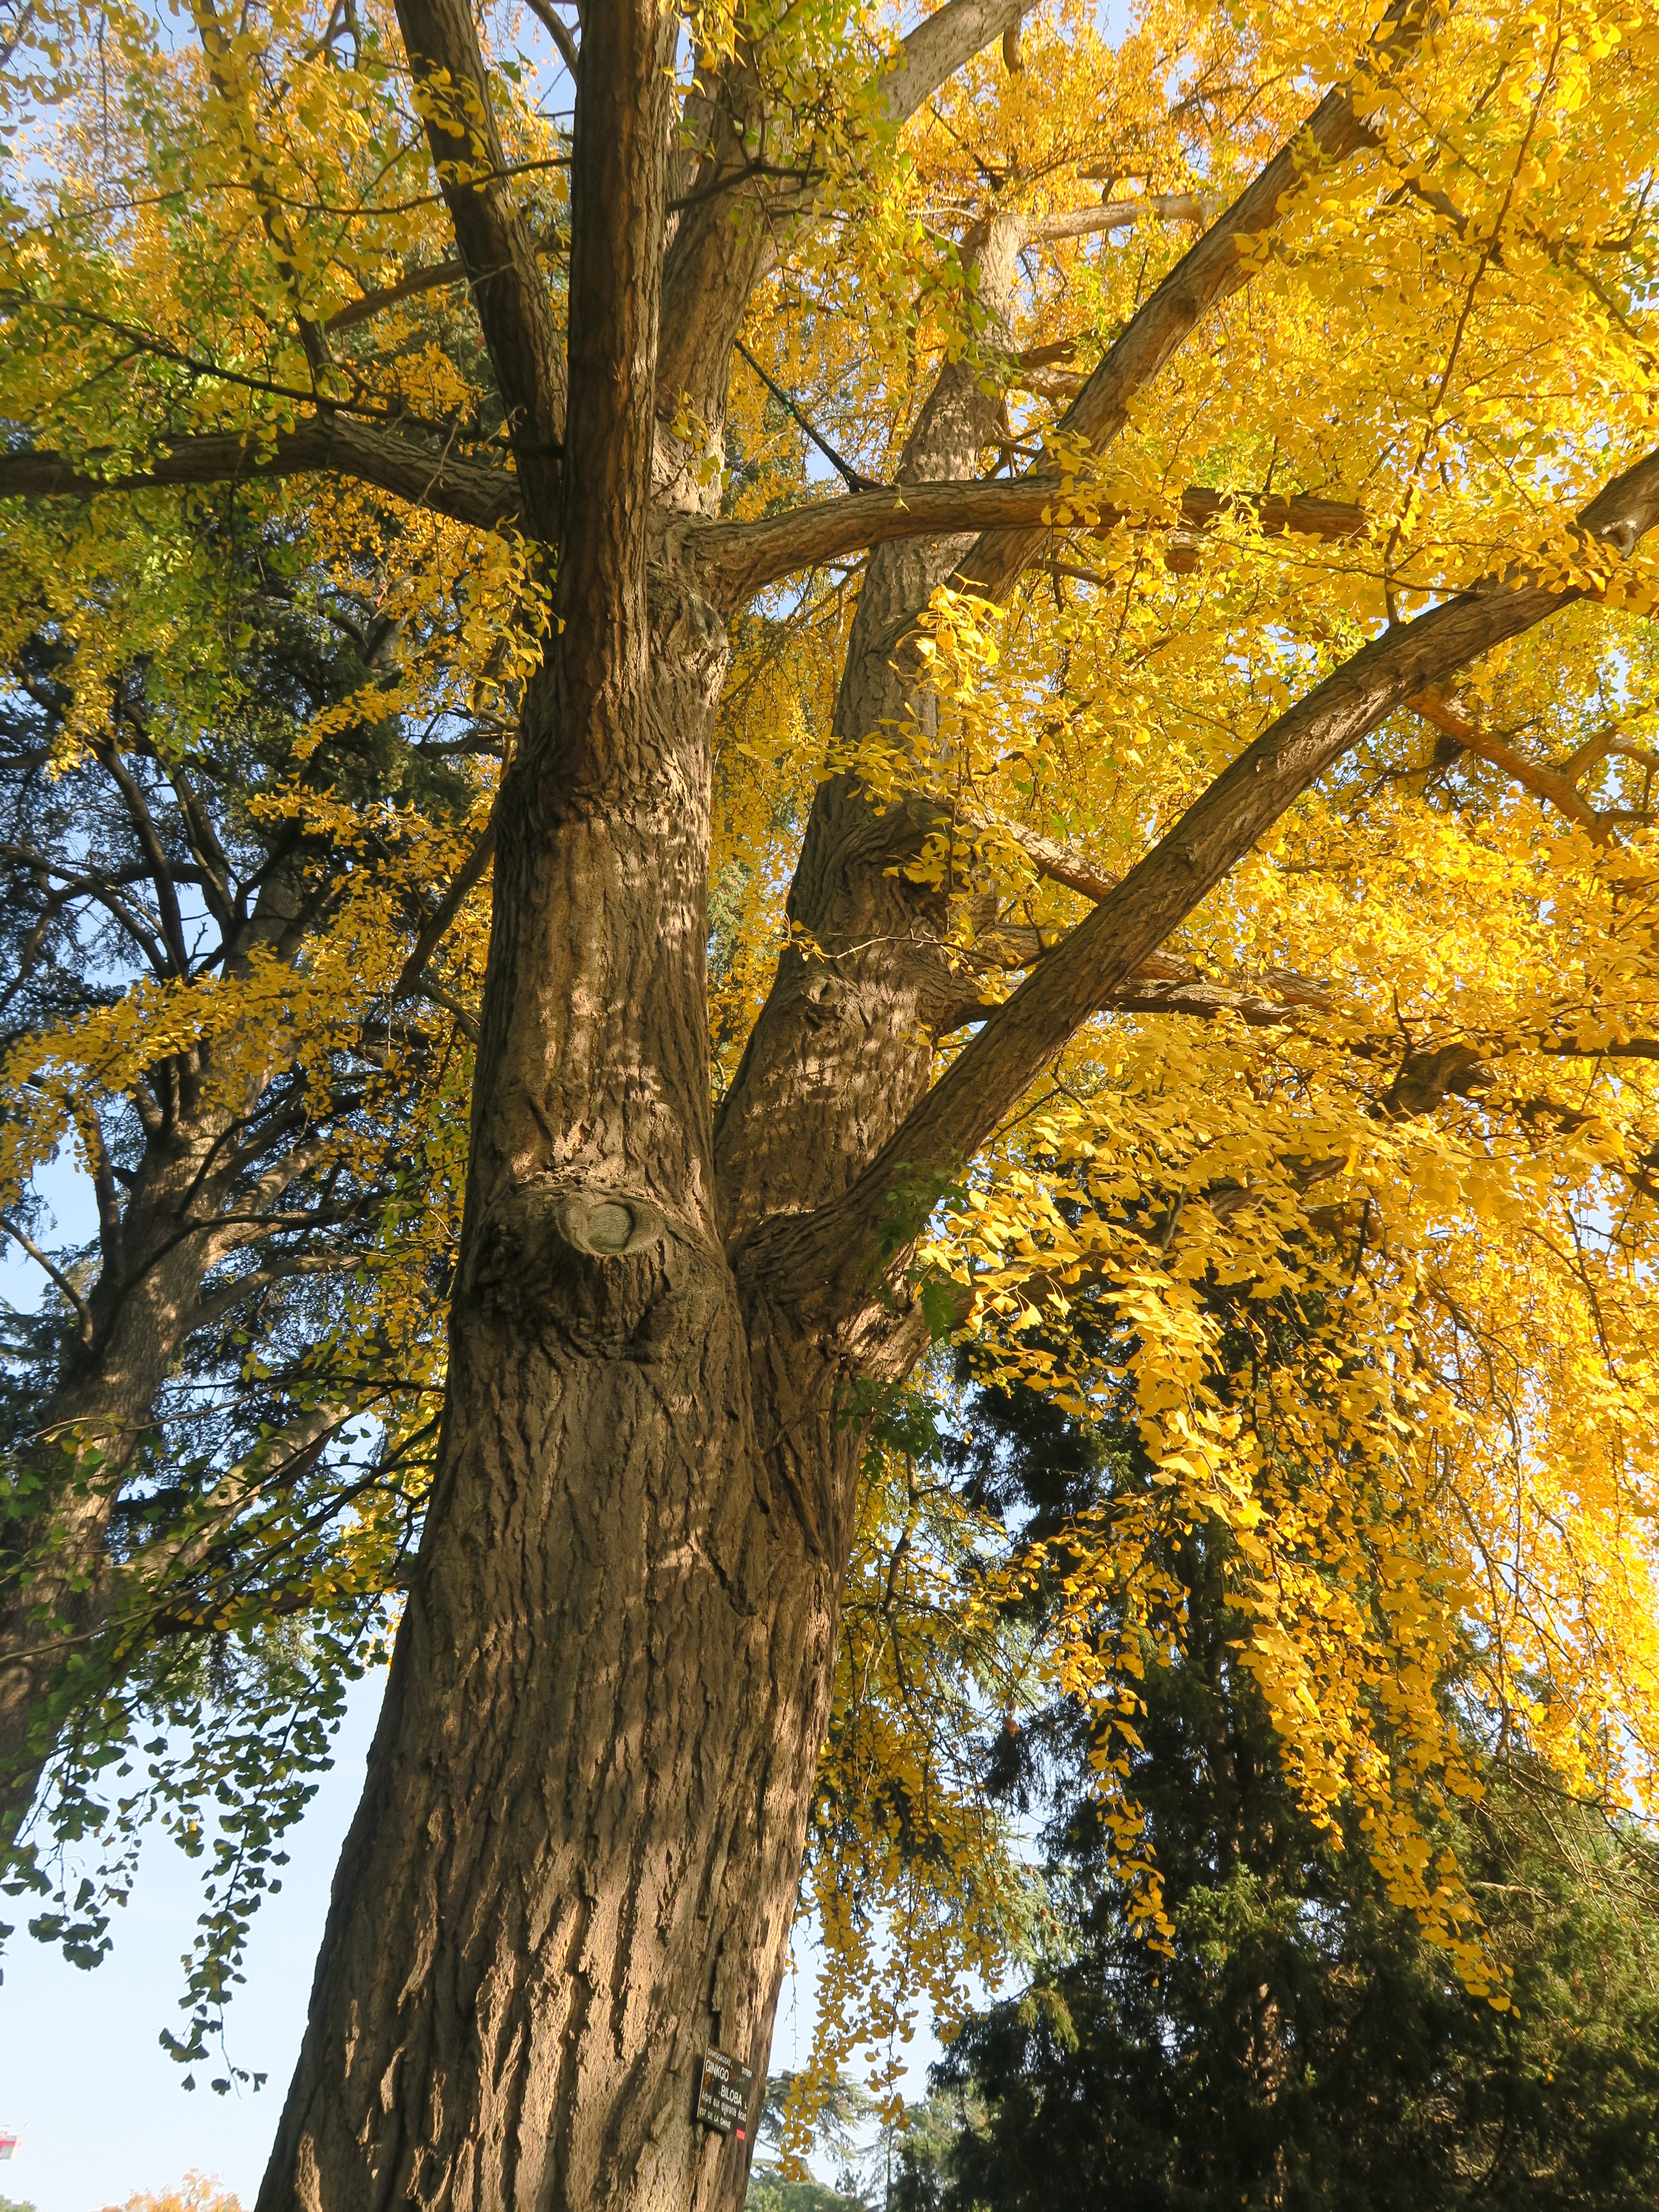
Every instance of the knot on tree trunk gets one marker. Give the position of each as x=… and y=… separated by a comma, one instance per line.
x=585, y=1259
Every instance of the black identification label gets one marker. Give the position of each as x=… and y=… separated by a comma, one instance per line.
x=723, y=2089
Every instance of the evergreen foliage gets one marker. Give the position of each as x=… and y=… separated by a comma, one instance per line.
x=1300, y=2045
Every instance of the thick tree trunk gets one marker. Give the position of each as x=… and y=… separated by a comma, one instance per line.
x=586, y=1806
x=586, y=1803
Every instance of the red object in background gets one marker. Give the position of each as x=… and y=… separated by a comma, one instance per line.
x=9, y=2142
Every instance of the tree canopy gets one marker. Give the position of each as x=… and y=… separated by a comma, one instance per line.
x=1029, y=637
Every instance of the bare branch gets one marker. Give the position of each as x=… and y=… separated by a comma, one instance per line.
x=409, y=287
x=741, y=558
x=556, y=31
x=508, y=290
x=161, y=869
x=416, y=281
x=844, y=469
x=83, y=1311
x=1115, y=215
x=212, y=1307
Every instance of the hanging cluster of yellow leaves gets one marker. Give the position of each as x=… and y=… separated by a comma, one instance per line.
x=1397, y=1079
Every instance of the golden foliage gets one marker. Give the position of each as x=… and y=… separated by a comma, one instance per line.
x=1440, y=1161
x=197, y=2192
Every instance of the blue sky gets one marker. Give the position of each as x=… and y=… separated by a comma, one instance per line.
x=81, y=2073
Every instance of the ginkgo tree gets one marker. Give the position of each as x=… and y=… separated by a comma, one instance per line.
x=1220, y=407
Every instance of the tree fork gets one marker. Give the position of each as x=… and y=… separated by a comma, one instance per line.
x=587, y=1800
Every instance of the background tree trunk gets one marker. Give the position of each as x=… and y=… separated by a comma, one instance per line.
x=160, y=1238
x=54, y=1567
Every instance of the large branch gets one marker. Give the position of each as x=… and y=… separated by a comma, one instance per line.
x=738, y=559
x=723, y=247
x=618, y=184
x=1165, y=983
x=509, y=292
x=470, y=491
x=1115, y=215
x=1217, y=265
x=823, y=1262
x=940, y=45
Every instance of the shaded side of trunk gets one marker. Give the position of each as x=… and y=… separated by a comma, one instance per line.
x=843, y=1046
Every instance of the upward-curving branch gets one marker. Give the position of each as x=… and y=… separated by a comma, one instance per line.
x=824, y=1260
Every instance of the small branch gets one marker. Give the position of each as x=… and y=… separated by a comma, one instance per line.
x=849, y=474
x=462, y=1016
x=1543, y=782
x=418, y=281
x=1115, y=215
x=556, y=31
x=83, y=1311
x=410, y=287
x=211, y=1309
x=107, y=752
x=410, y=979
